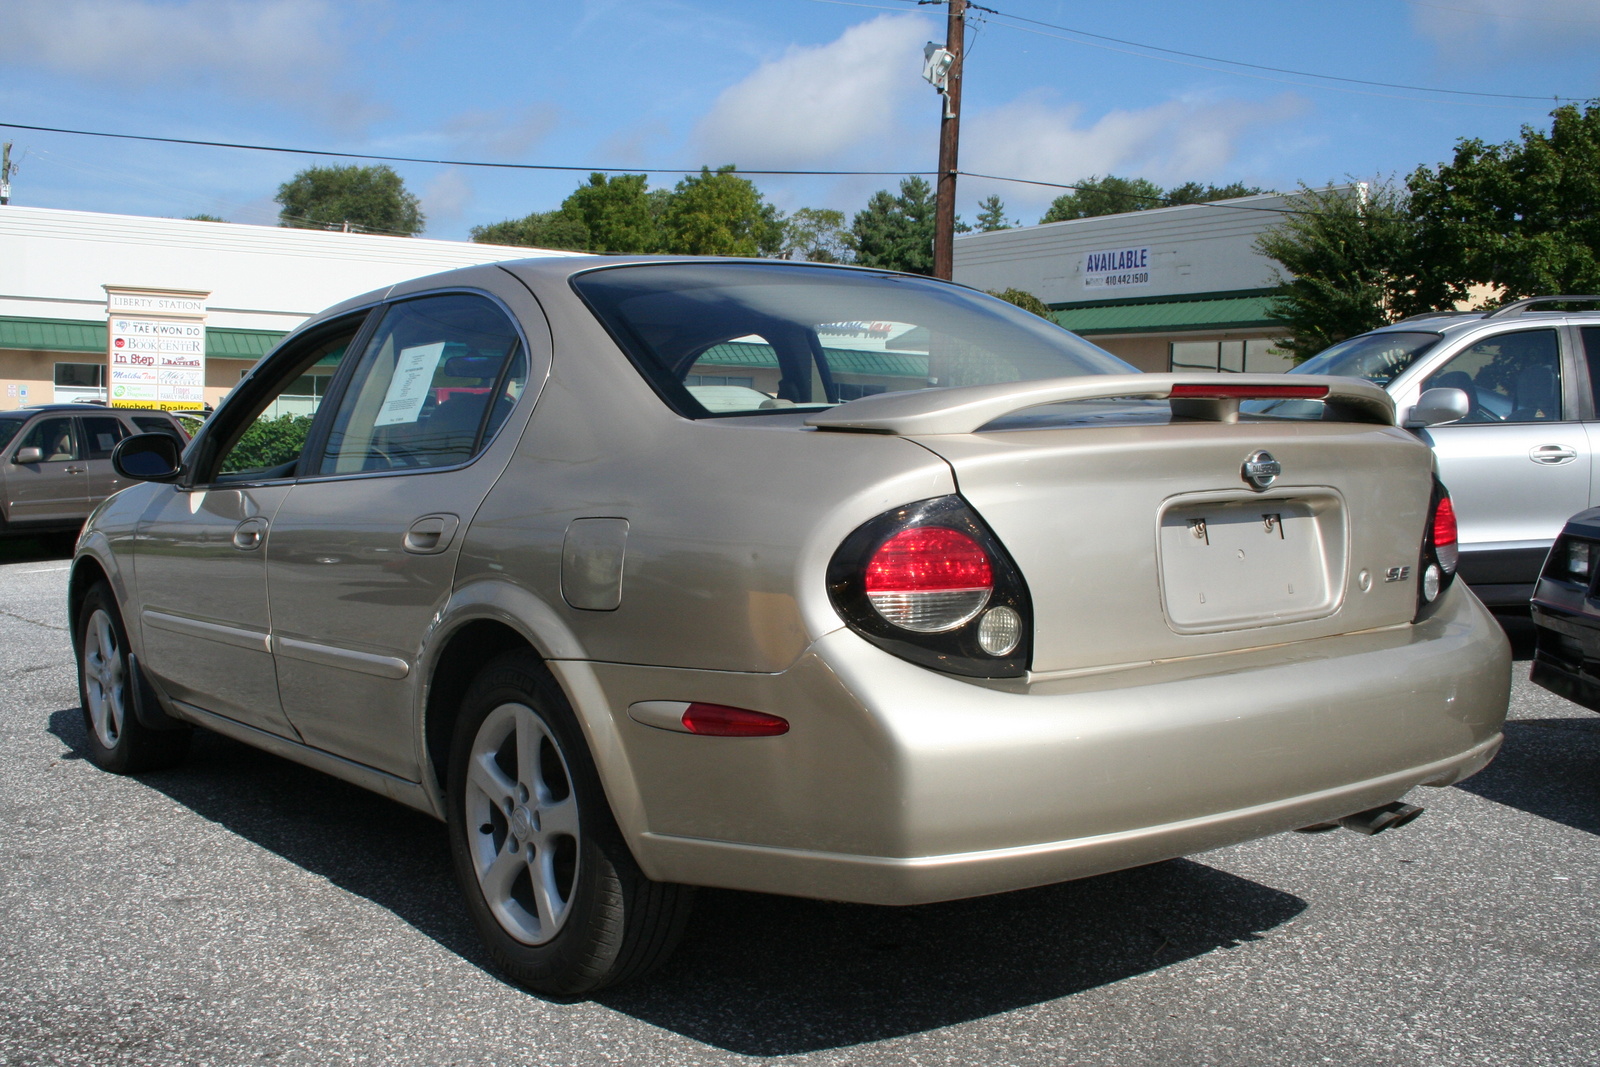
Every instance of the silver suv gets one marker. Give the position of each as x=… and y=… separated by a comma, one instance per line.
x=1516, y=445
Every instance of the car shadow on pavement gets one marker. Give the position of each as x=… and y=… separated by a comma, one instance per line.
x=757, y=975
x=772, y=976
x=33, y=548
x=1549, y=768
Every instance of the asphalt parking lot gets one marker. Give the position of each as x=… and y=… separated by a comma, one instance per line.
x=243, y=910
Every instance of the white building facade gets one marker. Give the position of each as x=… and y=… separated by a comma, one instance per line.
x=1177, y=288
x=175, y=305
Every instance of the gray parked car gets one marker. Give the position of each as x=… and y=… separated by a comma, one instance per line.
x=55, y=461
x=1516, y=446
x=649, y=574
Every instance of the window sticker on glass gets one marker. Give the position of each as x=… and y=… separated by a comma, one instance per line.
x=408, y=389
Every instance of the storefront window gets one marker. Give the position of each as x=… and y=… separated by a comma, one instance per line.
x=1258, y=356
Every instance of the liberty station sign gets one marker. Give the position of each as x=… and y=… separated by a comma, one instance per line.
x=156, y=348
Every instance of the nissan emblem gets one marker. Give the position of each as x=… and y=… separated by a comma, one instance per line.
x=1261, y=470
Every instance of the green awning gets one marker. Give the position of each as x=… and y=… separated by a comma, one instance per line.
x=1166, y=316
x=840, y=360
x=72, y=335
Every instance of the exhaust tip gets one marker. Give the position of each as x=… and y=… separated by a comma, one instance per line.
x=1377, y=820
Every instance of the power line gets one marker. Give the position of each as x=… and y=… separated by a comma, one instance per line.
x=1259, y=66
x=452, y=162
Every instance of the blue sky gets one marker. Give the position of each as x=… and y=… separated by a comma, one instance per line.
x=780, y=84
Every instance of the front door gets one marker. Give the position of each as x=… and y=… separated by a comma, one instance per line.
x=201, y=552
x=51, y=489
x=1519, y=464
x=363, y=550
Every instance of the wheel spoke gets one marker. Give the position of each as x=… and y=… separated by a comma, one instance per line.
x=487, y=777
x=530, y=738
x=545, y=897
x=559, y=819
x=501, y=873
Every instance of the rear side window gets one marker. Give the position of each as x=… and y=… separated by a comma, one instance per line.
x=437, y=379
x=736, y=338
x=157, y=424
x=101, y=434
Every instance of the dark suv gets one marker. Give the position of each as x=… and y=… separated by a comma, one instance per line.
x=55, y=461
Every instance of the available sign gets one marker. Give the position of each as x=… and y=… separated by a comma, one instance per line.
x=1116, y=267
x=157, y=348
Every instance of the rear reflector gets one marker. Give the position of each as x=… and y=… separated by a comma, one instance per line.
x=929, y=578
x=719, y=720
x=1249, y=392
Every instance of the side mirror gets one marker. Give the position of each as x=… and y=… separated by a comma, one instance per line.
x=30, y=455
x=146, y=457
x=1438, y=406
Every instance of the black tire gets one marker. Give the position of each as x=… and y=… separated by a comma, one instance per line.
x=118, y=741
x=548, y=879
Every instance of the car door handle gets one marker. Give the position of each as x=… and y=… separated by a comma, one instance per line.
x=75, y=470
x=248, y=535
x=1552, y=454
x=431, y=534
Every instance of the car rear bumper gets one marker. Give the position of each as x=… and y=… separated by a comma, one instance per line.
x=899, y=785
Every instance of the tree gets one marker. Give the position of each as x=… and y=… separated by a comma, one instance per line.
x=1347, y=251
x=1195, y=193
x=817, y=235
x=542, y=229
x=367, y=199
x=992, y=215
x=1524, y=215
x=1110, y=195
x=618, y=213
x=718, y=213
x=1024, y=300
x=896, y=232
x=202, y=217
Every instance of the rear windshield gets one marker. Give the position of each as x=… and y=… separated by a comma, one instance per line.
x=754, y=338
x=1377, y=357
x=8, y=430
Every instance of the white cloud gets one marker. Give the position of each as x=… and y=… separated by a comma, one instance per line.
x=814, y=103
x=1483, y=26
x=447, y=197
x=266, y=48
x=506, y=133
x=1036, y=137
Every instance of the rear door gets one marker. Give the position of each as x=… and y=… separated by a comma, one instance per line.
x=1520, y=462
x=100, y=435
x=364, y=548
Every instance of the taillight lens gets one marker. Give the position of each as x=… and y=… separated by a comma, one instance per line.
x=1444, y=534
x=930, y=583
x=928, y=579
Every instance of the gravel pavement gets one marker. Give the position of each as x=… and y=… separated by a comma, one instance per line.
x=244, y=910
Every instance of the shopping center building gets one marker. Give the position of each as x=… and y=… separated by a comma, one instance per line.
x=177, y=310
x=1176, y=288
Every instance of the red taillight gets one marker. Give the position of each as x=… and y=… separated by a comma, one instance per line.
x=719, y=720
x=1444, y=534
x=929, y=578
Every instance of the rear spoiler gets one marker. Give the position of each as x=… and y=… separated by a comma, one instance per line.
x=1212, y=397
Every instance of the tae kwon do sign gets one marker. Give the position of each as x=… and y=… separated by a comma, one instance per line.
x=1116, y=267
x=156, y=348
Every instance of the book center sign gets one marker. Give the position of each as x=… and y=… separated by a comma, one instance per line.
x=156, y=348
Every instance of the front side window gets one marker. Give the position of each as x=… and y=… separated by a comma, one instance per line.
x=437, y=379
x=1509, y=377
x=264, y=439
x=744, y=339
x=56, y=437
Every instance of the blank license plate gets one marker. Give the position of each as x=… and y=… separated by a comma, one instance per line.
x=1236, y=564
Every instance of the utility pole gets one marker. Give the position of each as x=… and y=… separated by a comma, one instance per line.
x=6, y=171
x=944, y=211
